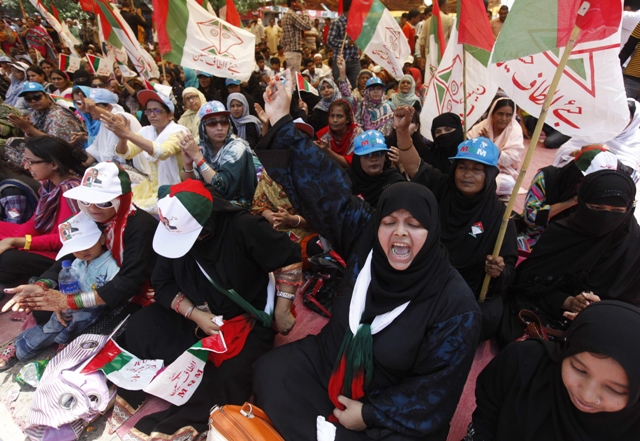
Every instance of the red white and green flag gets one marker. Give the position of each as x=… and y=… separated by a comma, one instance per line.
x=68, y=63
x=590, y=102
x=436, y=42
x=99, y=65
x=124, y=369
x=202, y=41
x=377, y=34
x=181, y=378
x=304, y=86
x=65, y=35
x=229, y=13
x=117, y=32
x=466, y=58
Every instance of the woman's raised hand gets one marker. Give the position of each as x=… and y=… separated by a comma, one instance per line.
x=303, y=106
x=262, y=115
x=394, y=155
x=117, y=124
x=188, y=145
x=277, y=97
x=342, y=67
x=402, y=117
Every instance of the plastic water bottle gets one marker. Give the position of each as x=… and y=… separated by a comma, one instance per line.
x=69, y=284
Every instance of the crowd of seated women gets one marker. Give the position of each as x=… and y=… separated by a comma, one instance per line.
x=214, y=213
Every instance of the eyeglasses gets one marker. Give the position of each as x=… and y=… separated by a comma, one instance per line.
x=156, y=112
x=215, y=122
x=35, y=97
x=98, y=86
x=29, y=162
x=373, y=155
x=102, y=205
x=191, y=98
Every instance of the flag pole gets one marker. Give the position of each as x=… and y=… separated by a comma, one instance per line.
x=344, y=40
x=464, y=89
x=532, y=146
x=24, y=14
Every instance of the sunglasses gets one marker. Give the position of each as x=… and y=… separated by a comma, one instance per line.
x=29, y=162
x=98, y=86
x=156, y=112
x=373, y=155
x=32, y=98
x=215, y=122
x=102, y=205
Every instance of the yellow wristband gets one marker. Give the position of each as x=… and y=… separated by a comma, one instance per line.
x=27, y=242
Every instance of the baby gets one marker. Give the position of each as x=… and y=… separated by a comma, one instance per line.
x=94, y=266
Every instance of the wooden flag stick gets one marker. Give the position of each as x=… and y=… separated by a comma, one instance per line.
x=24, y=14
x=532, y=147
x=344, y=40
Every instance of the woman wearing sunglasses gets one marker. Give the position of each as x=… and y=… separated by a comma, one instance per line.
x=158, y=144
x=46, y=117
x=222, y=159
x=371, y=170
x=30, y=248
x=104, y=195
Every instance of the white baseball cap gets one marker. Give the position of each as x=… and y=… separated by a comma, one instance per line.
x=103, y=182
x=183, y=210
x=78, y=233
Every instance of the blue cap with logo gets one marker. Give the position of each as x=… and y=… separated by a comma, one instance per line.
x=481, y=150
x=369, y=142
x=229, y=81
x=31, y=87
x=103, y=96
x=204, y=74
x=212, y=108
x=146, y=95
x=374, y=81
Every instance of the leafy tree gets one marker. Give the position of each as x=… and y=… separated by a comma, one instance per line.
x=66, y=9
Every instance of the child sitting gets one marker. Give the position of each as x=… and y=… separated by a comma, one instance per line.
x=94, y=266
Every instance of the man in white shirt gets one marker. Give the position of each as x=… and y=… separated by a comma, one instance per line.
x=257, y=29
x=323, y=68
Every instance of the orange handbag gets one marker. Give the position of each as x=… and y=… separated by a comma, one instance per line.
x=240, y=423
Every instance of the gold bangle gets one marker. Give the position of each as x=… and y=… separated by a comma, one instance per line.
x=27, y=242
x=408, y=148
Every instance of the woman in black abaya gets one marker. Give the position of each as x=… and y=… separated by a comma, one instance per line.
x=590, y=256
x=393, y=359
x=585, y=387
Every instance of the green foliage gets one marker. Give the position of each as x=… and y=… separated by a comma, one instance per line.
x=66, y=9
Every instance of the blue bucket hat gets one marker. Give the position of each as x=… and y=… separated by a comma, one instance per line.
x=212, y=108
x=374, y=81
x=103, y=96
x=31, y=87
x=481, y=150
x=146, y=95
x=229, y=81
x=369, y=142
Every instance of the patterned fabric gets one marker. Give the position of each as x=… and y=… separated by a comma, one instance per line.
x=290, y=274
x=38, y=38
x=47, y=208
x=269, y=195
x=535, y=203
x=292, y=24
x=18, y=205
x=336, y=35
x=369, y=114
x=56, y=121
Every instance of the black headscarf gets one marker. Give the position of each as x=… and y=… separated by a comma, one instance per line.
x=459, y=213
x=371, y=187
x=591, y=250
x=446, y=145
x=535, y=404
x=560, y=184
x=429, y=269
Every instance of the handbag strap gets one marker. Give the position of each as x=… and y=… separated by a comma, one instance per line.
x=240, y=301
x=534, y=325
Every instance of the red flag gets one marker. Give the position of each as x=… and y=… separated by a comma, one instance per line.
x=54, y=11
x=229, y=13
x=474, y=28
x=435, y=14
x=340, y=7
x=86, y=5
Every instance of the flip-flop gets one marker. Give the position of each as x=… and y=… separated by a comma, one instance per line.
x=9, y=357
x=18, y=316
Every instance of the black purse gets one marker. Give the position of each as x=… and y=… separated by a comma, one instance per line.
x=320, y=290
